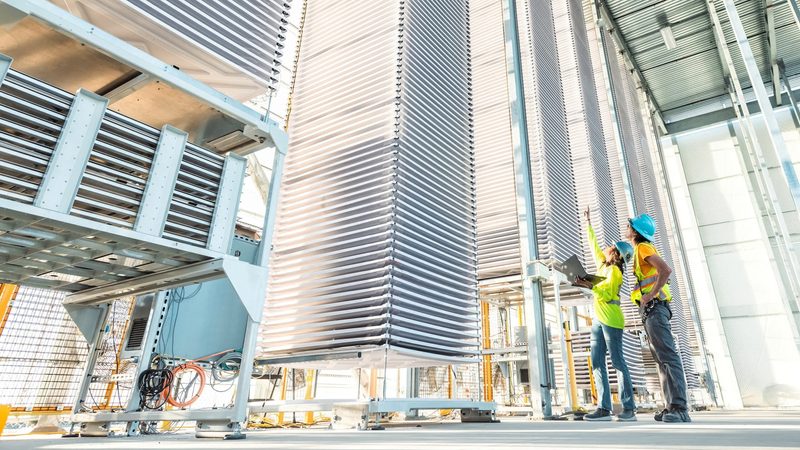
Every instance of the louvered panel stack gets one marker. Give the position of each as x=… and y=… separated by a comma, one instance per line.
x=558, y=224
x=120, y=161
x=375, y=243
x=647, y=195
x=587, y=143
x=249, y=34
x=498, y=232
x=32, y=116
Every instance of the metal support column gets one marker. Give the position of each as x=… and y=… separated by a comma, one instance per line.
x=64, y=172
x=619, y=139
x=538, y=367
x=562, y=339
x=262, y=259
x=95, y=347
x=155, y=325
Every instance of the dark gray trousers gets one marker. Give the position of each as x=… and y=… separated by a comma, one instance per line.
x=665, y=353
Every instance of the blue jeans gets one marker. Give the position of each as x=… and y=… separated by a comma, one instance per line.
x=610, y=339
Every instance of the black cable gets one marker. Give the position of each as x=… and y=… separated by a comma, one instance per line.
x=154, y=386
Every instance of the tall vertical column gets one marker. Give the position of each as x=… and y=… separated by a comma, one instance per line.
x=374, y=248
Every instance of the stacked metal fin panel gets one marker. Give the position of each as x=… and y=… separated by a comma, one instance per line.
x=32, y=115
x=374, y=260
x=648, y=199
x=498, y=231
x=558, y=224
x=248, y=35
x=593, y=186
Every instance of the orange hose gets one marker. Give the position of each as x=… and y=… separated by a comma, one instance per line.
x=176, y=371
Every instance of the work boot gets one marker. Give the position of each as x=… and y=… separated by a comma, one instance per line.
x=675, y=415
x=627, y=415
x=599, y=415
x=660, y=415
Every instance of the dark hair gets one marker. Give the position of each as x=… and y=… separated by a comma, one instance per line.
x=620, y=262
x=638, y=238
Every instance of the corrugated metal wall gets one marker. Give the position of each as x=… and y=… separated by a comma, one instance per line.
x=375, y=241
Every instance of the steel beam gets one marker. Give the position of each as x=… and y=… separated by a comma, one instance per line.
x=790, y=92
x=271, y=209
x=223, y=223
x=538, y=367
x=259, y=176
x=5, y=64
x=772, y=41
x=64, y=172
x=795, y=11
x=753, y=73
x=174, y=278
x=157, y=196
x=126, y=88
x=619, y=138
x=608, y=23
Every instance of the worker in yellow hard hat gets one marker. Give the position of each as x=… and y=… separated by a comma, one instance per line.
x=607, y=328
x=652, y=295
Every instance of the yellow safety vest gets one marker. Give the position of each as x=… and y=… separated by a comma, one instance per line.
x=646, y=281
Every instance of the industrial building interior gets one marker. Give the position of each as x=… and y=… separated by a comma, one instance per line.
x=350, y=223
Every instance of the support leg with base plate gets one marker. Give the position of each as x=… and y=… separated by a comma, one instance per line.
x=219, y=429
x=478, y=416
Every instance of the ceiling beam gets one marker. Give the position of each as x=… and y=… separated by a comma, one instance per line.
x=795, y=11
x=772, y=41
x=608, y=23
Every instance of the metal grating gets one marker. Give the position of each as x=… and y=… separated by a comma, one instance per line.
x=42, y=354
x=375, y=241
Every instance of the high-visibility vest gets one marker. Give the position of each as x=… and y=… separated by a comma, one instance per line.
x=646, y=281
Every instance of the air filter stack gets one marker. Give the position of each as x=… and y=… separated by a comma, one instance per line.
x=375, y=255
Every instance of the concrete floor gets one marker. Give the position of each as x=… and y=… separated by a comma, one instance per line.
x=716, y=430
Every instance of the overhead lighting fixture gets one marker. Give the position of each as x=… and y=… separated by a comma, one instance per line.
x=669, y=38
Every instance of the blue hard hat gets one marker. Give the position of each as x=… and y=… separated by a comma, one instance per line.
x=625, y=249
x=644, y=225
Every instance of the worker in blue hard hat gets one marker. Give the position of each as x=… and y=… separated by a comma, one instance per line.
x=607, y=328
x=652, y=295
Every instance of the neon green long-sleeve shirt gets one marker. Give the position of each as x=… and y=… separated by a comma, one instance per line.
x=606, y=293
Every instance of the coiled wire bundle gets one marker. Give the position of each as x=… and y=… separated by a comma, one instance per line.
x=154, y=386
